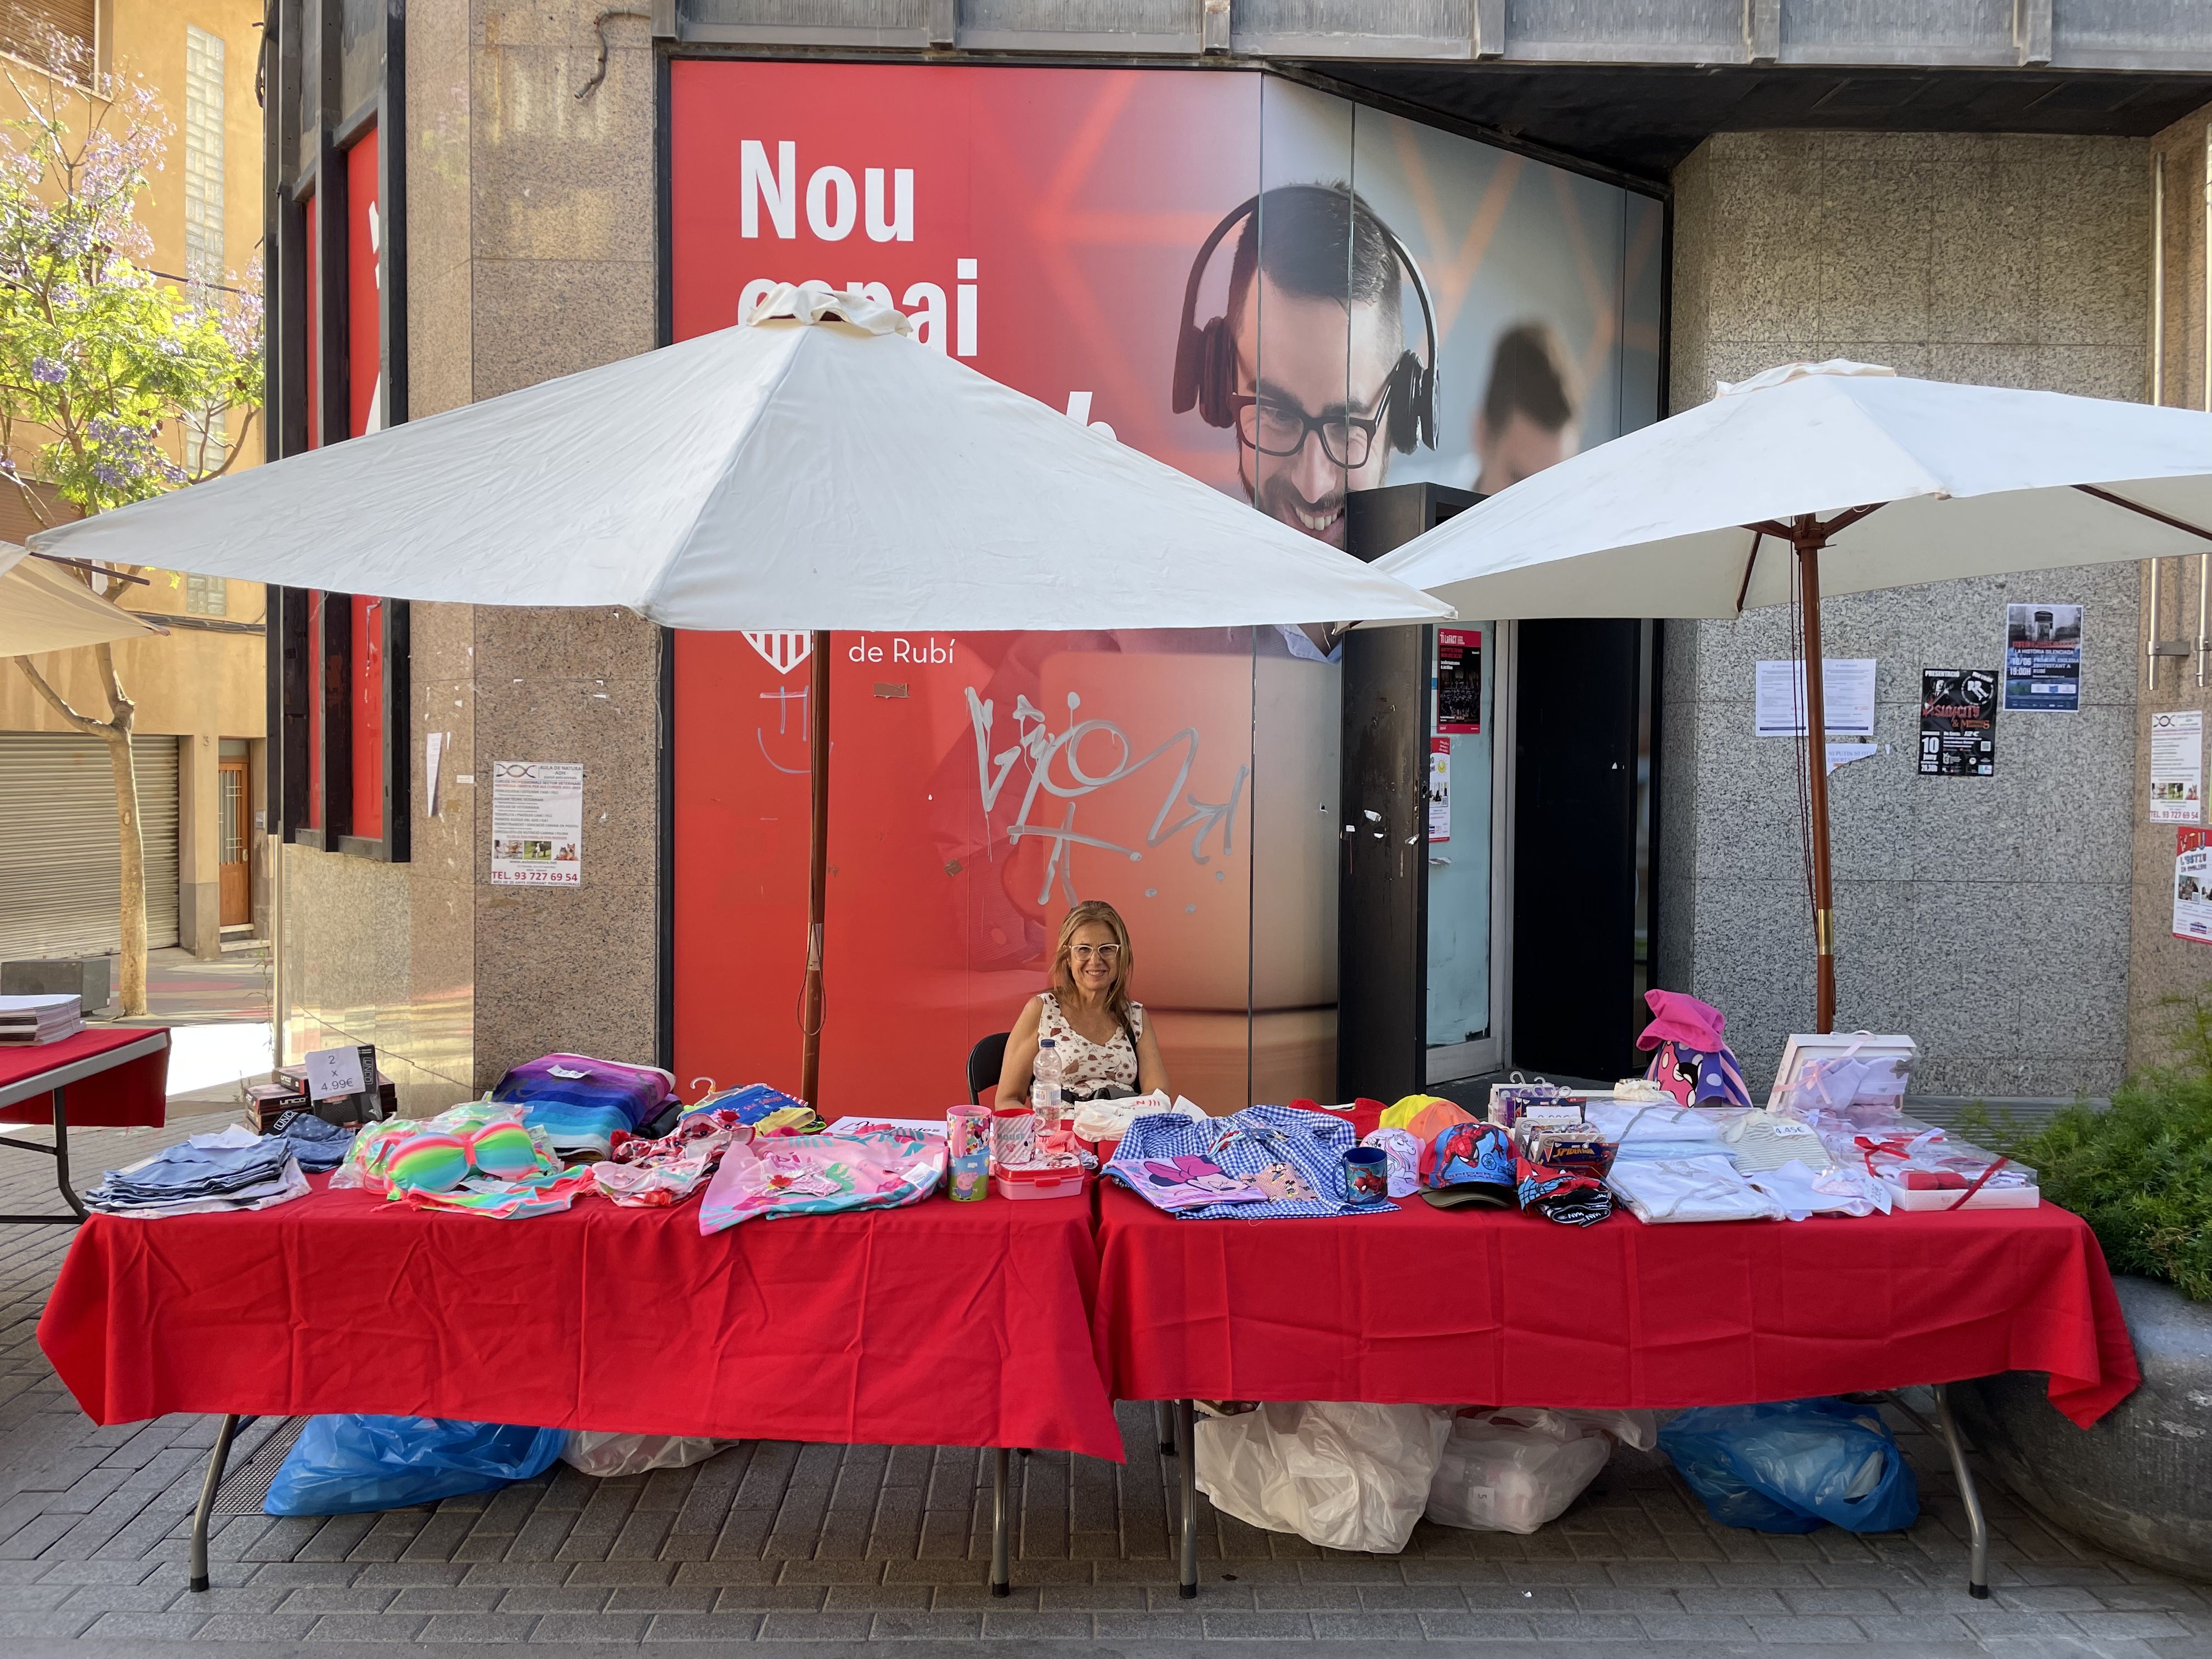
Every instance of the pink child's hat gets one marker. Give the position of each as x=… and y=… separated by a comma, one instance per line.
x=1677, y=1017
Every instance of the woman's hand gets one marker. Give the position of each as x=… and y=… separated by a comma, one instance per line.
x=1015, y=1074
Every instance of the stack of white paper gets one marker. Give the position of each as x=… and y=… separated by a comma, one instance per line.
x=45, y=1018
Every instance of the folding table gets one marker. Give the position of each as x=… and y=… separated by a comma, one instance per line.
x=936, y=1324
x=108, y=1077
x=1485, y=1307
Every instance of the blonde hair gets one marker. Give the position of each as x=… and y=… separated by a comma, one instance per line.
x=1063, y=978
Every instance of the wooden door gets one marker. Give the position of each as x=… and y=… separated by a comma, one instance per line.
x=237, y=891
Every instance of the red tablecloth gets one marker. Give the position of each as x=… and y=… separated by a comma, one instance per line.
x=940, y=1324
x=130, y=1096
x=1495, y=1308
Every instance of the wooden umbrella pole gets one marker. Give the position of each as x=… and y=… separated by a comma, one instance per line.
x=1810, y=536
x=817, y=870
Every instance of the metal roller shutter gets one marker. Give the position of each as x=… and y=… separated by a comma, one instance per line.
x=60, y=864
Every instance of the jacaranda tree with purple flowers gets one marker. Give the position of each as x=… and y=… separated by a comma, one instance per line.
x=115, y=384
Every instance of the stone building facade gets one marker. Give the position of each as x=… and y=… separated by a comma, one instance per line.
x=2016, y=924
x=1988, y=917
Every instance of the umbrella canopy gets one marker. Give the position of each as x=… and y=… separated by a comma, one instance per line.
x=814, y=469
x=1839, y=477
x=1973, y=481
x=43, y=609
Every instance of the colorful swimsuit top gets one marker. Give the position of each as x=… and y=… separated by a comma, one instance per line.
x=1084, y=1064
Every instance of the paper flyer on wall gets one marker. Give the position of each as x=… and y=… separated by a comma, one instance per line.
x=1958, y=722
x=2177, y=766
x=2192, y=886
x=434, y=752
x=1459, y=680
x=536, y=823
x=1439, y=789
x=1847, y=684
x=2043, y=657
x=1843, y=753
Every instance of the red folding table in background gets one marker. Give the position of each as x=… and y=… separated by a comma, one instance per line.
x=110, y=1077
x=1482, y=1307
x=936, y=1324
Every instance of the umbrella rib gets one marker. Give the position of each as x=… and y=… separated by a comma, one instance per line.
x=1744, y=589
x=1829, y=528
x=87, y=565
x=2182, y=525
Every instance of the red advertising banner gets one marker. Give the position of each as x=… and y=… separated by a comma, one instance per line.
x=312, y=271
x=1217, y=268
x=364, y=390
x=364, y=325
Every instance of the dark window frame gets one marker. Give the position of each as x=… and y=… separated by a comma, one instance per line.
x=308, y=135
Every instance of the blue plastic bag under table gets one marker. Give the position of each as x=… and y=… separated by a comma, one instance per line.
x=1794, y=1466
x=349, y=1464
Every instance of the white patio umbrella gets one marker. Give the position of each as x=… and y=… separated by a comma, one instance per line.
x=1844, y=478
x=43, y=609
x=814, y=469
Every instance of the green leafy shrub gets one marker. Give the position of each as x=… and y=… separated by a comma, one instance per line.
x=2140, y=1174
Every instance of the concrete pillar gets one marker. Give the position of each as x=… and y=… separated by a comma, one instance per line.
x=199, y=848
x=1989, y=258
x=2159, y=966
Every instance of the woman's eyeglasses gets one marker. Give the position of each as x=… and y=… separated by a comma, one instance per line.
x=1105, y=953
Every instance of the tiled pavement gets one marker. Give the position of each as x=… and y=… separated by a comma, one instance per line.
x=815, y=1549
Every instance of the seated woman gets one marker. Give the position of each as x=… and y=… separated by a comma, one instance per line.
x=1102, y=1038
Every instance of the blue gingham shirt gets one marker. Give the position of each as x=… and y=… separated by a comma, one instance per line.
x=1243, y=1144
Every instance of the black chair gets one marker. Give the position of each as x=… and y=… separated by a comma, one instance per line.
x=985, y=1061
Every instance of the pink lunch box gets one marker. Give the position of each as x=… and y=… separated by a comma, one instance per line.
x=1039, y=1183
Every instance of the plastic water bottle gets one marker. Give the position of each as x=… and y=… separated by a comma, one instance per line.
x=1044, y=1089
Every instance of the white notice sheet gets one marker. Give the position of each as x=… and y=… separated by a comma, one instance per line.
x=2177, y=766
x=1847, y=682
x=536, y=823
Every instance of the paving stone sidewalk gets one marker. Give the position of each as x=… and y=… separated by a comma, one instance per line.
x=819, y=1549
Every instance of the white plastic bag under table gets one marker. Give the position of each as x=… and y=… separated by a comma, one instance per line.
x=1344, y=1475
x=1515, y=1470
x=609, y=1454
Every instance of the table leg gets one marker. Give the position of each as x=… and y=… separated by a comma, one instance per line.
x=1977, y=1527
x=1164, y=1426
x=60, y=1155
x=1001, y=1523
x=59, y=1152
x=1186, y=1459
x=216, y=1459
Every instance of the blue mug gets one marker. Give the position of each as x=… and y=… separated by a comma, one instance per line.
x=1366, y=1176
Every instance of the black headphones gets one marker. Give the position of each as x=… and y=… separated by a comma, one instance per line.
x=1205, y=358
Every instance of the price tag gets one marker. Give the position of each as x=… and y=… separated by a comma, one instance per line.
x=332, y=1072
x=1551, y=1114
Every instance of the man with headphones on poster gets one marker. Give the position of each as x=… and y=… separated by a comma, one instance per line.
x=1338, y=390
